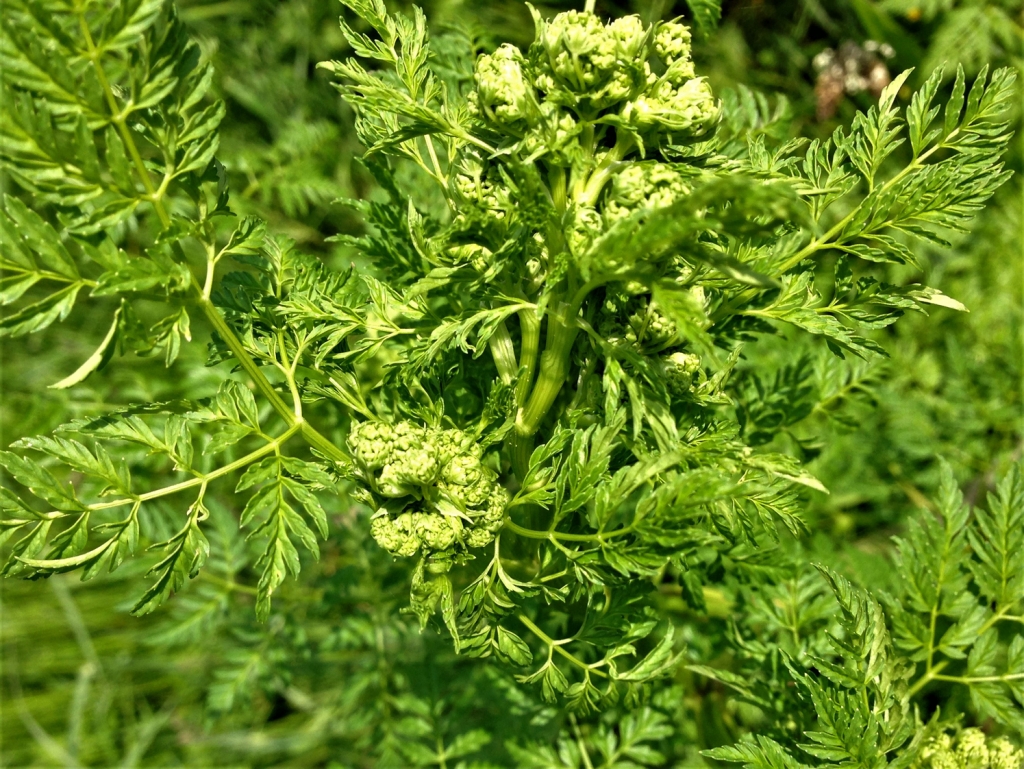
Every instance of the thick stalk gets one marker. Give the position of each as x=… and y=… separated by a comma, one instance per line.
x=589, y=189
x=504, y=353
x=559, y=187
x=529, y=328
x=554, y=368
x=522, y=448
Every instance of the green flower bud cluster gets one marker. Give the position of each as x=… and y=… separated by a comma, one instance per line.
x=672, y=44
x=406, y=533
x=404, y=454
x=587, y=225
x=503, y=94
x=683, y=372
x=473, y=187
x=643, y=185
x=638, y=186
x=581, y=62
x=457, y=498
x=630, y=319
x=971, y=750
x=581, y=69
x=651, y=328
x=672, y=108
x=591, y=97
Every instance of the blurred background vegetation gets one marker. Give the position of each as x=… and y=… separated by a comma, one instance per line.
x=339, y=676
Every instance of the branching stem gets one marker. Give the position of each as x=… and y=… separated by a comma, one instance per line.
x=292, y=416
x=202, y=479
x=558, y=647
x=601, y=537
x=933, y=669
x=119, y=118
x=825, y=240
x=293, y=419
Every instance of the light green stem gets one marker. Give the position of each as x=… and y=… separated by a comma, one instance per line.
x=554, y=368
x=559, y=188
x=154, y=195
x=557, y=535
x=220, y=325
x=200, y=480
x=522, y=448
x=589, y=189
x=557, y=646
x=529, y=327
x=504, y=353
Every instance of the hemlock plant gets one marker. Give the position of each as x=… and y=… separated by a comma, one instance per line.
x=529, y=386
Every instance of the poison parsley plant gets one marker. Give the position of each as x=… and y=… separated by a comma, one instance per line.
x=532, y=387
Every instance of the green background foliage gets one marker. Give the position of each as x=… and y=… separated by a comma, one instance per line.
x=776, y=651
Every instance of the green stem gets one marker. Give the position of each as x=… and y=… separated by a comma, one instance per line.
x=557, y=646
x=441, y=178
x=554, y=368
x=211, y=266
x=229, y=585
x=17, y=269
x=996, y=616
x=522, y=448
x=980, y=679
x=200, y=480
x=557, y=184
x=935, y=675
x=557, y=535
x=588, y=190
x=504, y=353
x=118, y=117
x=220, y=325
x=287, y=369
x=314, y=438
x=529, y=327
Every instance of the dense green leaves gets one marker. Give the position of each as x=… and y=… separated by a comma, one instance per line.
x=862, y=681
x=601, y=317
